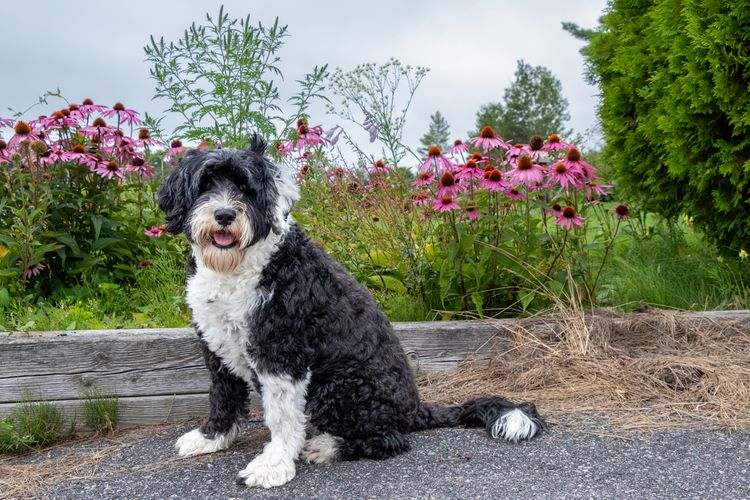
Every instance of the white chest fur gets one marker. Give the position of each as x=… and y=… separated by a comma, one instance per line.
x=221, y=304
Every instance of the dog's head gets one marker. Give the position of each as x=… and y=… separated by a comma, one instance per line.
x=226, y=201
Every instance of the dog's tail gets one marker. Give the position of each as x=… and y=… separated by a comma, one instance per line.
x=500, y=417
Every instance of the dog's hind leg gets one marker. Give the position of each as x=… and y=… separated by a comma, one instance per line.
x=228, y=398
x=377, y=447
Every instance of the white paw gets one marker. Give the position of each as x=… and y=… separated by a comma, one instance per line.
x=321, y=449
x=267, y=471
x=195, y=443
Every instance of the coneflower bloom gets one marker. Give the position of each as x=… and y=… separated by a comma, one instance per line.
x=155, y=231
x=109, y=170
x=308, y=136
x=517, y=150
x=98, y=128
x=93, y=161
x=436, y=162
x=573, y=160
x=515, y=194
x=446, y=204
x=379, y=168
x=87, y=107
x=526, y=172
x=595, y=190
x=568, y=217
x=4, y=154
x=423, y=179
x=459, y=147
x=58, y=120
x=144, y=138
x=448, y=185
x=471, y=212
x=471, y=170
x=536, y=145
x=124, y=116
x=556, y=210
x=567, y=177
x=139, y=166
x=24, y=132
x=488, y=140
x=493, y=180
x=175, y=148
x=33, y=271
x=6, y=123
x=554, y=143
x=622, y=212
x=420, y=198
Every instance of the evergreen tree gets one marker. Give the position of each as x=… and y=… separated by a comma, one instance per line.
x=437, y=135
x=533, y=104
x=674, y=78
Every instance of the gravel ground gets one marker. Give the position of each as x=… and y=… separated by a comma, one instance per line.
x=447, y=463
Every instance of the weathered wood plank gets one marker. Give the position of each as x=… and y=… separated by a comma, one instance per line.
x=143, y=410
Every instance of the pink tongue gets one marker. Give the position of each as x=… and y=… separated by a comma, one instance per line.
x=223, y=239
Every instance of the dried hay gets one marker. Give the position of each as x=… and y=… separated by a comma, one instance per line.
x=610, y=372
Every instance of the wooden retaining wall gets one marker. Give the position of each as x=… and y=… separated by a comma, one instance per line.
x=158, y=375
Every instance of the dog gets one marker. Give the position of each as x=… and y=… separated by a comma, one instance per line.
x=274, y=312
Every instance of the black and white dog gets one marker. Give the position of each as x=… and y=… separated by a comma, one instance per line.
x=274, y=312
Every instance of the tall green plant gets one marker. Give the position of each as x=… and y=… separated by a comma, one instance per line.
x=220, y=78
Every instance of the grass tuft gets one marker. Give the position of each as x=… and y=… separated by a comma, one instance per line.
x=31, y=425
x=100, y=412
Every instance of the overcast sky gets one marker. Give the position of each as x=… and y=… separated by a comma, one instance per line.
x=95, y=49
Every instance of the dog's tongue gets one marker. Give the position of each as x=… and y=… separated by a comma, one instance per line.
x=223, y=239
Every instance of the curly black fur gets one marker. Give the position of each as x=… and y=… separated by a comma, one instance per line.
x=316, y=321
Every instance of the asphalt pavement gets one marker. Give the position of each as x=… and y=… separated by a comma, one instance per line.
x=446, y=463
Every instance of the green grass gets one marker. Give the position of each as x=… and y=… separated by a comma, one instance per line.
x=31, y=425
x=674, y=269
x=101, y=413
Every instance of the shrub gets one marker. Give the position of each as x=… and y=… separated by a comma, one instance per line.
x=675, y=108
x=31, y=425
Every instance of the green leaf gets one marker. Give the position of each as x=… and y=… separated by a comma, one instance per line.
x=390, y=282
x=526, y=300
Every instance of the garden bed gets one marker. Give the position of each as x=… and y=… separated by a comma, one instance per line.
x=688, y=364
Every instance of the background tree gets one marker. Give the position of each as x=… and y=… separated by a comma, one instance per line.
x=675, y=110
x=438, y=134
x=533, y=104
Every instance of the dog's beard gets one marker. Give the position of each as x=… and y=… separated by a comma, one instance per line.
x=221, y=249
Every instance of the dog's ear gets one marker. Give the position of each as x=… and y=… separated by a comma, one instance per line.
x=258, y=145
x=176, y=195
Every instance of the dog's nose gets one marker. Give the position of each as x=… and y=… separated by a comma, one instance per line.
x=225, y=216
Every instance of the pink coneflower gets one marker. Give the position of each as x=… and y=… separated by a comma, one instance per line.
x=517, y=150
x=555, y=211
x=4, y=154
x=24, y=132
x=33, y=271
x=446, y=204
x=622, y=212
x=459, y=147
x=526, y=171
x=98, y=128
x=594, y=190
x=58, y=120
x=155, y=231
x=139, y=166
x=423, y=179
x=420, y=198
x=554, y=143
x=124, y=116
x=93, y=161
x=336, y=173
x=488, y=140
x=493, y=180
x=308, y=137
x=6, y=123
x=567, y=177
x=448, y=185
x=87, y=107
x=175, y=148
x=573, y=160
x=515, y=194
x=471, y=212
x=436, y=161
x=568, y=217
x=58, y=155
x=78, y=152
x=379, y=168
x=144, y=138
x=109, y=170
x=471, y=170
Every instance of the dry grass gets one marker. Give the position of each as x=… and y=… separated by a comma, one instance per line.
x=616, y=373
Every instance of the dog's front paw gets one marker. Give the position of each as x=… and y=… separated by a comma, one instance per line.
x=267, y=471
x=195, y=443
